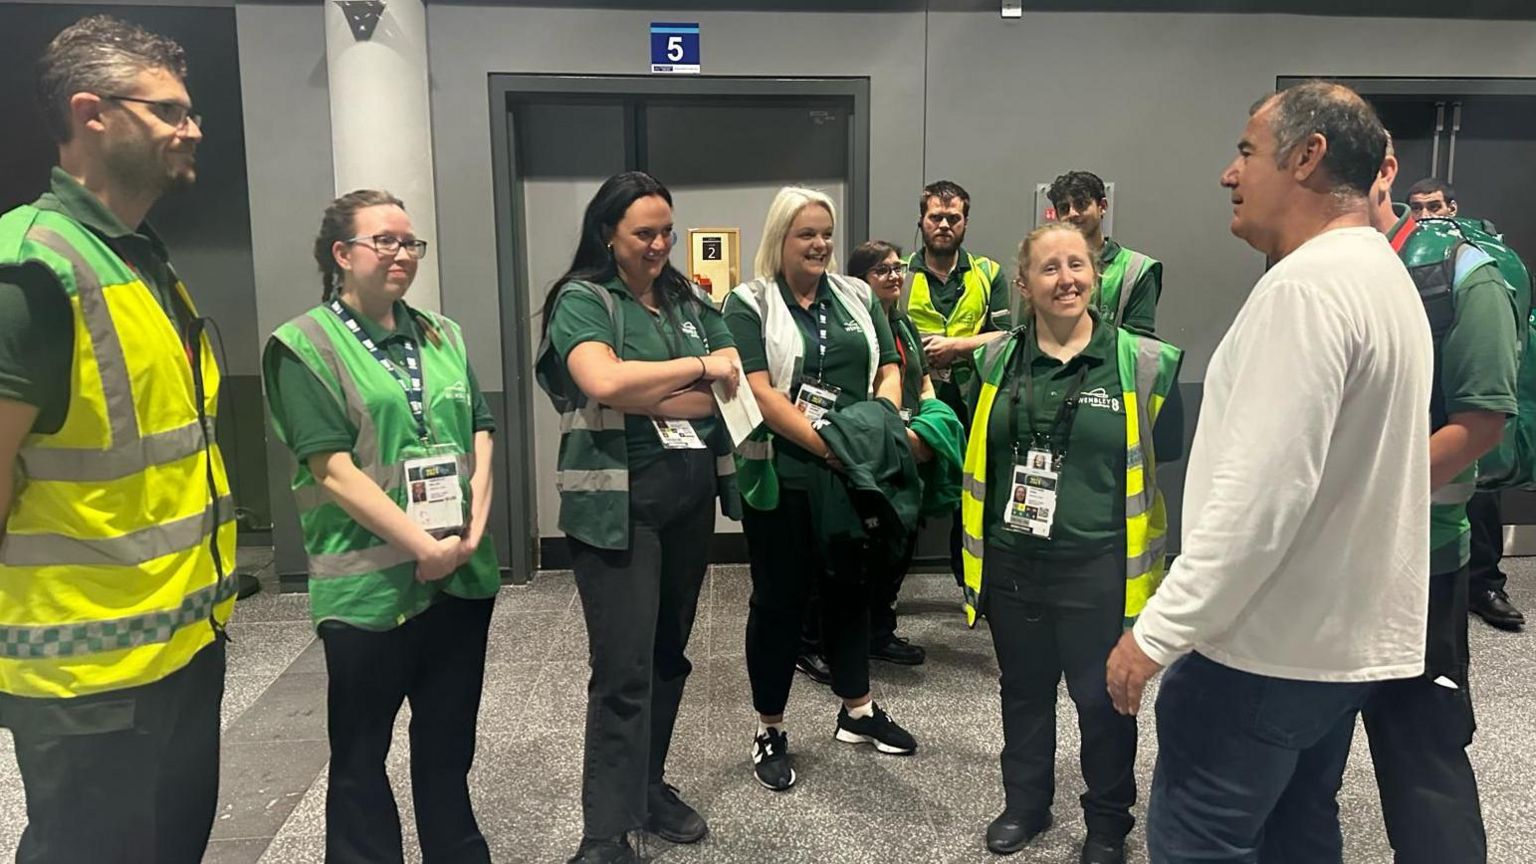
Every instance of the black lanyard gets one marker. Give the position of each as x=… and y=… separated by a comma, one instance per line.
x=1066, y=412
x=409, y=379
x=673, y=341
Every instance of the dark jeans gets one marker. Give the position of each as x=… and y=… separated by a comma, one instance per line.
x=1049, y=619
x=639, y=605
x=884, y=590
x=437, y=661
x=126, y=777
x=1248, y=766
x=1419, y=732
x=785, y=563
x=1487, y=542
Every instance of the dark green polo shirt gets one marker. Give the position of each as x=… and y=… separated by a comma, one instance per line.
x=651, y=336
x=846, y=365
x=1090, y=515
x=305, y=407
x=914, y=363
x=945, y=291
x=37, y=331
x=1141, y=308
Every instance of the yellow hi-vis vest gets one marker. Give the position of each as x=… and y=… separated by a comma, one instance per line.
x=115, y=564
x=970, y=310
x=1148, y=373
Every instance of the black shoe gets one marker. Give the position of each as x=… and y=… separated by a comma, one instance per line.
x=894, y=649
x=1495, y=608
x=770, y=760
x=246, y=585
x=612, y=851
x=877, y=729
x=1098, y=850
x=1011, y=832
x=814, y=667
x=671, y=818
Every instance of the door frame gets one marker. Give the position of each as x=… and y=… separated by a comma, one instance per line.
x=511, y=223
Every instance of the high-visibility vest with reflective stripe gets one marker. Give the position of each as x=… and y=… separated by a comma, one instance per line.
x=1117, y=283
x=355, y=576
x=592, y=469
x=1148, y=369
x=971, y=308
x=109, y=573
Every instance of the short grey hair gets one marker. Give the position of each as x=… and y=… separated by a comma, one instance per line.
x=99, y=54
x=1357, y=142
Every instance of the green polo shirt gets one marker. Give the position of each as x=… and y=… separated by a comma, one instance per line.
x=914, y=363
x=1477, y=361
x=1090, y=514
x=305, y=407
x=37, y=331
x=945, y=291
x=692, y=331
x=1141, y=308
x=846, y=365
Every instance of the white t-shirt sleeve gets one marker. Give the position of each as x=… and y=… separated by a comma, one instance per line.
x=1289, y=365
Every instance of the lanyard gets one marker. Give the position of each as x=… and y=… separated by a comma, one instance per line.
x=1061, y=432
x=409, y=380
x=672, y=340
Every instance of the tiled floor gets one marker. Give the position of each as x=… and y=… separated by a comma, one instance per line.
x=850, y=805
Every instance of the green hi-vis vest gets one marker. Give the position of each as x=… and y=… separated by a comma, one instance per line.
x=592, y=469
x=1117, y=283
x=1148, y=372
x=115, y=568
x=355, y=576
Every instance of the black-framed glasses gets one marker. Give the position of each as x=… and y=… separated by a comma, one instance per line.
x=389, y=244
x=171, y=113
x=884, y=270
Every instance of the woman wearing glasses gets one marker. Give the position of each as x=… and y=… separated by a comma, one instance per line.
x=630, y=352
x=392, y=437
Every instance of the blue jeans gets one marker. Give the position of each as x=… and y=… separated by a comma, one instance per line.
x=1248, y=766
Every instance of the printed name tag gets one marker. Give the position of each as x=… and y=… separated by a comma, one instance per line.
x=1032, y=495
x=434, y=498
x=816, y=399
x=677, y=434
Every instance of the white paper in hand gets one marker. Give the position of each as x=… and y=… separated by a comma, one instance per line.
x=739, y=412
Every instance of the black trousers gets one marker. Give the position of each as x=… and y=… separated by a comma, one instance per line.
x=639, y=605
x=126, y=777
x=1419, y=732
x=786, y=562
x=1049, y=619
x=884, y=590
x=1487, y=542
x=950, y=395
x=437, y=661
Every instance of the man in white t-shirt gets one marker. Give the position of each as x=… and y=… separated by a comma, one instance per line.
x=1303, y=574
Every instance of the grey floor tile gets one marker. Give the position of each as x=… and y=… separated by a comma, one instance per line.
x=310, y=660
x=261, y=783
x=549, y=591
x=247, y=851
x=808, y=837
x=292, y=709
x=269, y=606
x=266, y=648
x=240, y=693
x=295, y=850
x=529, y=637
x=505, y=700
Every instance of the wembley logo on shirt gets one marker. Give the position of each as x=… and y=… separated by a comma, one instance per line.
x=690, y=330
x=852, y=326
x=1098, y=397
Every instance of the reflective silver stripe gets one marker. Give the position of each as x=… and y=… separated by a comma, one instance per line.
x=1135, y=505
x=359, y=562
x=725, y=466
x=123, y=459
x=367, y=447
x=592, y=418
x=138, y=547
x=976, y=488
x=95, y=637
x=602, y=480
x=1133, y=269
x=1143, y=563
x=752, y=449
x=386, y=477
x=111, y=363
x=974, y=545
x=1453, y=493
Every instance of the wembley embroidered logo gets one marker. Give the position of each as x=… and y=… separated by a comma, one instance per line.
x=852, y=326
x=1100, y=398
x=690, y=330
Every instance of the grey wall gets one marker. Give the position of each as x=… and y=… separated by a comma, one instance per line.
x=1152, y=101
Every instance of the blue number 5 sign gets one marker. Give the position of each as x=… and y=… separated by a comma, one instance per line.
x=674, y=48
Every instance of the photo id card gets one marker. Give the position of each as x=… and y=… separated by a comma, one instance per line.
x=816, y=399
x=677, y=434
x=434, y=498
x=1032, y=495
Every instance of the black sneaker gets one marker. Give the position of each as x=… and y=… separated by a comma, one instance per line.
x=814, y=667
x=770, y=760
x=1495, y=608
x=877, y=729
x=1102, y=850
x=1011, y=831
x=671, y=818
x=614, y=851
x=894, y=649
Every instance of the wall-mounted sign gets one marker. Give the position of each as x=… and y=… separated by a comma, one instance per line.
x=714, y=259
x=674, y=48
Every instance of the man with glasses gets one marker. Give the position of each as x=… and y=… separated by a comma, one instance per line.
x=958, y=301
x=1129, y=282
x=118, y=535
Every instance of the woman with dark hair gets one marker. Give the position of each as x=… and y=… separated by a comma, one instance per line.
x=631, y=351
x=392, y=437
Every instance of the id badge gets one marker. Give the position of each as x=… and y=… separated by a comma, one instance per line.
x=434, y=497
x=1032, y=495
x=677, y=434
x=906, y=416
x=815, y=399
